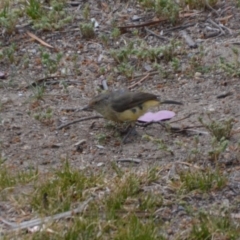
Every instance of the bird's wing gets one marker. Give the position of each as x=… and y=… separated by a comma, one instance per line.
x=128, y=100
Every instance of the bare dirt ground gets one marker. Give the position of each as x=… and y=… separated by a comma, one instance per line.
x=30, y=138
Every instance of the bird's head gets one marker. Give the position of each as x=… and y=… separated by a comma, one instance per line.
x=97, y=103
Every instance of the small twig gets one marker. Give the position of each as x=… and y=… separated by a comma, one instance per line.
x=104, y=85
x=74, y=3
x=77, y=121
x=188, y=164
x=174, y=129
x=41, y=80
x=224, y=19
x=212, y=9
x=211, y=34
x=226, y=28
x=179, y=27
x=34, y=222
x=23, y=25
x=170, y=165
x=123, y=28
x=33, y=36
x=144, y=124
x=161, y=122
x=140, y=81
x=235, y=43
x=225, y=94
x=134, y=160
x=216, y=25
x=151, y=73
x=82, y=141
x=69, y=109
x=154, y=34
x=183, y=129
x=178, y=120
x=223, y=12
x=196, y=131
x=188, y=39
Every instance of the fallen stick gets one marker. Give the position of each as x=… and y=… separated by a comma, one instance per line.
x=34, y=222
x=76, y=121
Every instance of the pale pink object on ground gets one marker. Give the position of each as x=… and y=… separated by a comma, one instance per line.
x=156, y=116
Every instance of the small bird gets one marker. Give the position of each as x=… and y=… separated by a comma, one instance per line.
x=125, y=106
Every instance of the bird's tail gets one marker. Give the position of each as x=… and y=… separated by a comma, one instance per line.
x=170, y=102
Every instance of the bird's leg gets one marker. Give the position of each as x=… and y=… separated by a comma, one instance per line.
x=124, y=128
x=130, y=130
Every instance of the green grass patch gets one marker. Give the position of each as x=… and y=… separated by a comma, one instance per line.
x=10, y=178
x=132, y=228
x=130, y=195
x=214, y=227
x=128, y=186
x=203, y=181
x=219, y=129
x=65, y=187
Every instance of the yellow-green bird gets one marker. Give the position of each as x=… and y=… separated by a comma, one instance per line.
x=125, y=106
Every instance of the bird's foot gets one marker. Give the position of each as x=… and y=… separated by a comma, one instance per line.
x=131, y=130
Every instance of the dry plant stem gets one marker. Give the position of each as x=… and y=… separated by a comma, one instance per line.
x=76, y=121
x=140, y=81
x=154, y=34
x=32, y=223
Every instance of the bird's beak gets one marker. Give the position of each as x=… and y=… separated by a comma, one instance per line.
x=171, y=102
